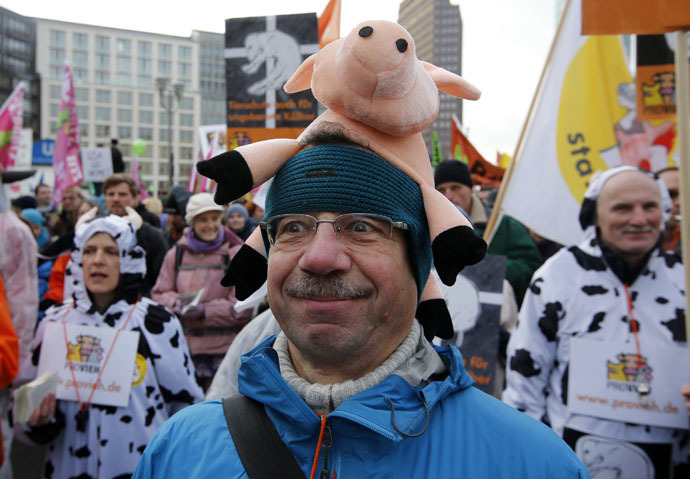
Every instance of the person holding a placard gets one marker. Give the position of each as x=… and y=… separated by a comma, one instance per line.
x=121, y=360
x=600, y=350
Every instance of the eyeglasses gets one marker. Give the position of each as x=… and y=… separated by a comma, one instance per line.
x=354, y=228
x=673, y=193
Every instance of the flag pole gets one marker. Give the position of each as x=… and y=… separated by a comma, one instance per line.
x=488, y=232
x=683, y=112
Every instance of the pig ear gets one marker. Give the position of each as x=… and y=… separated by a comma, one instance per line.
x=301, y=79
x=451, y=83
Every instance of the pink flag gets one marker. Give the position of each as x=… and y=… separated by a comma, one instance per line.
x=194, y=175
x=143, y=192
x=66, y=162
x=11, y=119
x=207, y=184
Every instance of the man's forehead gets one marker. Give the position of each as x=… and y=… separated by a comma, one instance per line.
x=630, y=185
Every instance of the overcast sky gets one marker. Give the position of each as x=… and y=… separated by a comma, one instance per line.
x=505, y=43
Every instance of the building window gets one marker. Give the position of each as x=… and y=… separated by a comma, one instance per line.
x=102, y=96
x=124, y=115
x=184, y=70
x=144, y=81
x=102, y=113
x=56, y=73
x=123, y=63
x=57, y=55
x=185, y=53
x=164, y=67
x=102, y=131
x=144, y=48
x=102, y=78
x=185, y=168
x=103, y=61
x=187, y=103
x=81, y=94
x=84, y=129
x=123, y=45
x=124, y=132
x=186, y=119
x=145, y=167
x=163, y=118
x=55, y=92
x=80, y=41
x=186, y=153
x=102, y=43
x=163, y=134
x=80, y=75
x=124, y=98
x=145, y=133
x=57, y=38
x=163, y=168
x=83, y=112
x=123, y=79
x=146, y=117
x=163, y=152
x=186, y=136
x=79, y=59
x=144, y=65
x=165, y=50
x=54, y=109
x=145, y=99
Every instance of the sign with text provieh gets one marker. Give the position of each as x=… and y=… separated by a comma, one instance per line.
x=82, y=360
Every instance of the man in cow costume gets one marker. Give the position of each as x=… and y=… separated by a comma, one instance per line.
x=617, y=286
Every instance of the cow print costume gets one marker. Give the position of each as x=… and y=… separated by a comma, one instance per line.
x=110, y=443
x=579, y=293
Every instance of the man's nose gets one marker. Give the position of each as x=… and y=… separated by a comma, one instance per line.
x=639, y=217
x=325, y=253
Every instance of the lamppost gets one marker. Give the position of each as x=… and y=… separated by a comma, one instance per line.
x=167, y=101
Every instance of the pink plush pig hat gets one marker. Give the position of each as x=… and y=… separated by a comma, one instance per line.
x=381, y=97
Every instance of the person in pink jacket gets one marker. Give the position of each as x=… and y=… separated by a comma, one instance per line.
x=189, y=284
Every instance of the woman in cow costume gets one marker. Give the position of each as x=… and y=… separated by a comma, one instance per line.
x=91, y=440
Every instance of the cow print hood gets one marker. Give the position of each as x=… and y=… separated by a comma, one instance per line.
x=132, y=260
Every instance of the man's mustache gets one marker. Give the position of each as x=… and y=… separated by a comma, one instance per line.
x=325, y=287
x=637, y=229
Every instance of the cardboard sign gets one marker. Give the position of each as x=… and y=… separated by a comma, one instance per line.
x=605, y=376
x=87, y=348
x=261, y=54
x=474, y=303
x=97, y=163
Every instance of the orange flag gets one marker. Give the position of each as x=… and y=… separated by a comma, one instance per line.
x=483, y=172
x=329, y=23
x=606, y=17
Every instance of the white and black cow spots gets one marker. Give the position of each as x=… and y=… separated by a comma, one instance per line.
x=576, y=294
x=99, y=446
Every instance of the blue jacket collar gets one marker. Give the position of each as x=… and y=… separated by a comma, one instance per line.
x=260, y=379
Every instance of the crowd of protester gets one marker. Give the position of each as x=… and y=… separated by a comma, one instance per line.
x=156, y=265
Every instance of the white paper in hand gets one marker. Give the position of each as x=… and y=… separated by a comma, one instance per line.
x=28, y=397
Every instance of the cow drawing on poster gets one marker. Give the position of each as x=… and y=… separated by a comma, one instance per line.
x=280, y=53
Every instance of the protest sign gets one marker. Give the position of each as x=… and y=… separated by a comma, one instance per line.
x=97, y=163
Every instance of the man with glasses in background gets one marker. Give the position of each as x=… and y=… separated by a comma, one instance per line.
x=351, y=384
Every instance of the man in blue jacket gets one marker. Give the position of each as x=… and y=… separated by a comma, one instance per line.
x=351, y=384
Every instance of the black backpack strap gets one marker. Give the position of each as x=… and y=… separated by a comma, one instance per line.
x=179, y=253
x=264, y=455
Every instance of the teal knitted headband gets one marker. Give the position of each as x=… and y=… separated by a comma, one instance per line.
x=349, y=180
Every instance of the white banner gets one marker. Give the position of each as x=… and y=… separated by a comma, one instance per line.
x=572, y=131
x=605, y=378
x=86, y=349
x=97, y=163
